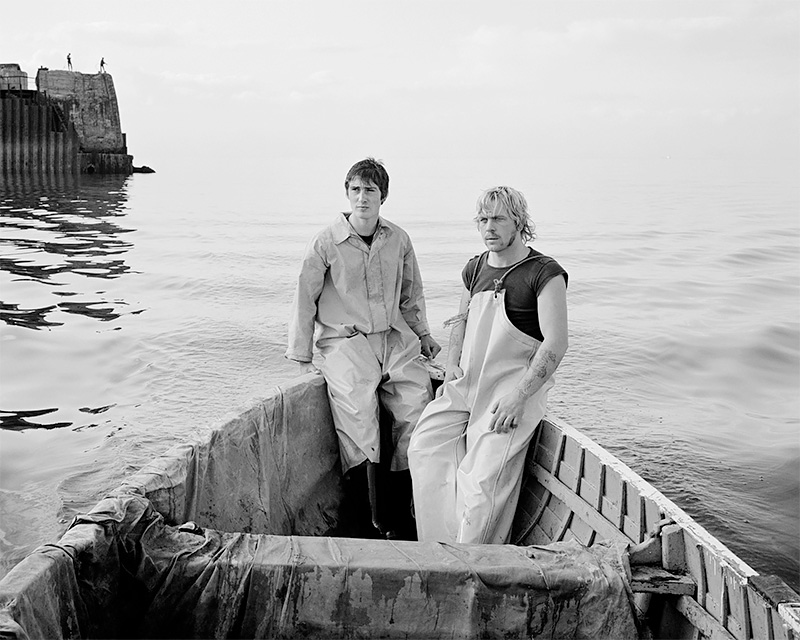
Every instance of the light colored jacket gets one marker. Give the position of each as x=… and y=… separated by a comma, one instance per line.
x=347, y=287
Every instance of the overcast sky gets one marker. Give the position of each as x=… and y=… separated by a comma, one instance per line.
x=433, y=79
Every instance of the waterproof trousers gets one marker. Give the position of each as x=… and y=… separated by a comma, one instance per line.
x=466, y=478
x=364, y=369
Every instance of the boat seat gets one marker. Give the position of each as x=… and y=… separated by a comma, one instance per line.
x=653, y=579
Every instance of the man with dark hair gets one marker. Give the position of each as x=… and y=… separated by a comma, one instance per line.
x=360, y=288
x=468, y=450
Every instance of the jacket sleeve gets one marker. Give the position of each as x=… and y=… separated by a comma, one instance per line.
x=412, y=298
x=304, y=305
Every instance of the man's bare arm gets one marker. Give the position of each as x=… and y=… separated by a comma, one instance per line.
x=552, y=304
x=456, y=343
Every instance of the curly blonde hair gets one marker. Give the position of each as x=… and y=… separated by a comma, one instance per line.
x=514, y=203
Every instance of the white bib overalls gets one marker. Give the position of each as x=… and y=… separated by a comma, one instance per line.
x=466, y=478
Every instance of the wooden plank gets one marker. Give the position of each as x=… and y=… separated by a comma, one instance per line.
x=562, y=443
x=565, y=525
x=581, y=531
x=719, y=589
x=613, y=497
x=553, y=517
x=790, y=613
x=779, y=629
x=760, y=617
x=538, y=536
x=698, y=544
x=614, y=466
x=592, y=479
x=738, y=622
x=715, y=602
x=652, y=579
x=585, y=511
x=703, y=621
x=569, y=536
x=652, y=514
x=568, y=475
x=569, y=468
x=673, y=554
x=541, y=497
x=528, y=503
x=547, y=447
x=773, y=605
x=633, y=523
x=695, y=565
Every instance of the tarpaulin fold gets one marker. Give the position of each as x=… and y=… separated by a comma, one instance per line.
x=264, y=491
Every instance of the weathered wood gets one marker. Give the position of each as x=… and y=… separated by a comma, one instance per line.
x=613, y=507
x=673, y=554
x=582, y=531
x=790, y=614
x=703, y=621
x=695, y=565
x=651, y=579
x=570, y=459
x=591, y=482
x=760, y=617
x=724, y=605
x=633, y=523
x=768, y=597
x=584, y=510
x=737, y=620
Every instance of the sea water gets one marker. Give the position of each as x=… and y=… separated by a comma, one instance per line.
x=138, y=312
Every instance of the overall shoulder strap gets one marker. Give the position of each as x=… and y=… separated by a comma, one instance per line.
x=498, y=282
x=478, y=266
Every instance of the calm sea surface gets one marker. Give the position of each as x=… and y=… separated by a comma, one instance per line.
x=138, y=312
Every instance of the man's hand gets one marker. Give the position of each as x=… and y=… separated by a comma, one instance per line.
x=429, y=347
x=307, y=367
x=507, y=412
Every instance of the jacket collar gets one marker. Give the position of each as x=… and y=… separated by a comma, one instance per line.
x=342, y=229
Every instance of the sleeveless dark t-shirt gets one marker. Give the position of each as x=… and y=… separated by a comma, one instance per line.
x=522, y=285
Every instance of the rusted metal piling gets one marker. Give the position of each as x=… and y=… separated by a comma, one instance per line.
x=35, y=138
x=69, y=124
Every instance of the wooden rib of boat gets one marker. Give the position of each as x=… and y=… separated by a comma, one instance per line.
x=231, y=535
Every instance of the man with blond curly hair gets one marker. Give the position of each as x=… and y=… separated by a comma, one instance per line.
x=468, y=450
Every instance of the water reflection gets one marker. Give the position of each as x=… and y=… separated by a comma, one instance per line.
x=62, y=243
x=54, y=228
x=20, y=420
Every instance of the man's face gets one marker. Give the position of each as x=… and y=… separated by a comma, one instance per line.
x=497, y=229
x=365, y=198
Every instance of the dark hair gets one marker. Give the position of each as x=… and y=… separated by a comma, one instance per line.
x=371, y=170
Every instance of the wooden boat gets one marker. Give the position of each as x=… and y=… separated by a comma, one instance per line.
x=231, y=536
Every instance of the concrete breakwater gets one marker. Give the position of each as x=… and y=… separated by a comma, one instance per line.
x=69, y=124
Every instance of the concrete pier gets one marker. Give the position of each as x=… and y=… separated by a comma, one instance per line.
x=69, y=124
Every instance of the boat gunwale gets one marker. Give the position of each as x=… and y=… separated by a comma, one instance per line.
x=167, y=491
x=735, y=578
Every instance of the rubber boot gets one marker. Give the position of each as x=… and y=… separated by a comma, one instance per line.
x=356, y=506
x=400, y=509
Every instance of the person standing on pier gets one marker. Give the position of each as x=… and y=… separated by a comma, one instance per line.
x=468, y=450
x=69, y=61
x=360, y=288
x=102, y=65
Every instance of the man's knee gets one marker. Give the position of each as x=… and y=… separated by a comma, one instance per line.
x=421, y=441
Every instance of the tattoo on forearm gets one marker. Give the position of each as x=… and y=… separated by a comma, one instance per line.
x=547, y=360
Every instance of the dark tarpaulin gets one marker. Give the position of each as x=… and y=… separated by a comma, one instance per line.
x=127, y=570
x=159, y=581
